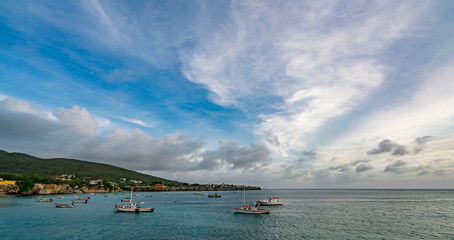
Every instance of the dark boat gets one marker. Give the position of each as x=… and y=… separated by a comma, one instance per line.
x=80, y=201
x=214, y=195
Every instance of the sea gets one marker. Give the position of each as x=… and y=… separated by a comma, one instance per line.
x=306, y=214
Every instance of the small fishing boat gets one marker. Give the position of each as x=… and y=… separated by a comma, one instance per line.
x=138, y=195
x=198, y=193
x=106, y=195
x=214, y=195
x=132, y=207
x=93, y=194
x=60, y=196
x=125, y=200
x=84, y=198
x=273, y=201
x=80, y=201
x=45, y=200
x=149, y=196
x=58, y=205
x=250, y=210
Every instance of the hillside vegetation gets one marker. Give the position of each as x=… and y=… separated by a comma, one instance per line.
x=19, y=163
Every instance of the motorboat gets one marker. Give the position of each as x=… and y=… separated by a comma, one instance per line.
x=272, y=201
x=45, y=200
x=214, y=195
x=58, y=205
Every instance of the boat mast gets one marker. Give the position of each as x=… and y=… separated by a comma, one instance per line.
x=130, y=199
x=244, y=197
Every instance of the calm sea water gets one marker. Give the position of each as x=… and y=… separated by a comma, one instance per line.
x=306, y=214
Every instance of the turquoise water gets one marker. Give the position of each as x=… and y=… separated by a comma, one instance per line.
x=306, y=214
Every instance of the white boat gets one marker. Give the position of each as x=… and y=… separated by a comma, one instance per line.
x=250, y=210
x=132, y=207
x=273, y=201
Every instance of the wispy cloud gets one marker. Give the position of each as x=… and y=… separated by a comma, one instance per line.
x=321, y=64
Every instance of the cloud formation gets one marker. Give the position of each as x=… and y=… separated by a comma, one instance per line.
x=420, y=142
x=389, y=146
x=72, y=133
x=315, y=69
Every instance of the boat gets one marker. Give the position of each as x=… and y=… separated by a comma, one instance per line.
x=214, y=195
x=45, y=200
x=138, y=195
x=125, y=200
x=149, y=196
x=84, y=198
x=93, y=194
x=106, y=195
x=58, y=205
x=272, y=201
x=132, y=207
x=80, y=201
x=60, y=196
x=249, y=209
x=198, y=193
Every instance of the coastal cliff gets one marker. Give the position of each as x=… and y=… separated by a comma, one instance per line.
x=47, y=189
x=9, y=189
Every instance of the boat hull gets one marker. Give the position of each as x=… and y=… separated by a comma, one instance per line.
x=249, y=211
x=136, y=210
x=270, y=203
x=64, y=205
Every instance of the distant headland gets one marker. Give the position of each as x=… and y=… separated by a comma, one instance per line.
x=22, y=174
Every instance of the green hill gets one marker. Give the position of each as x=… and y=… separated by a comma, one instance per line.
x=19, y=163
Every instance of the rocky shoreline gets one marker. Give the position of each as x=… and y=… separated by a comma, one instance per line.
x=48, y=189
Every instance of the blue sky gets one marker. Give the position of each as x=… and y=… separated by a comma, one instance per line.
x=295, y=94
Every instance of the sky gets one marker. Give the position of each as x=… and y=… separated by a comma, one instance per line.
x=277, y=94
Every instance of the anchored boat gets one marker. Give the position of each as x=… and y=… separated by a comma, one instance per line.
x=273, y=201
x=214, y=195
x=132, y=207
x=58, y=205
x=250, y=210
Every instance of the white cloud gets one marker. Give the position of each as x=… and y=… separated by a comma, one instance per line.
x=322, y=59
x=137, y=122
